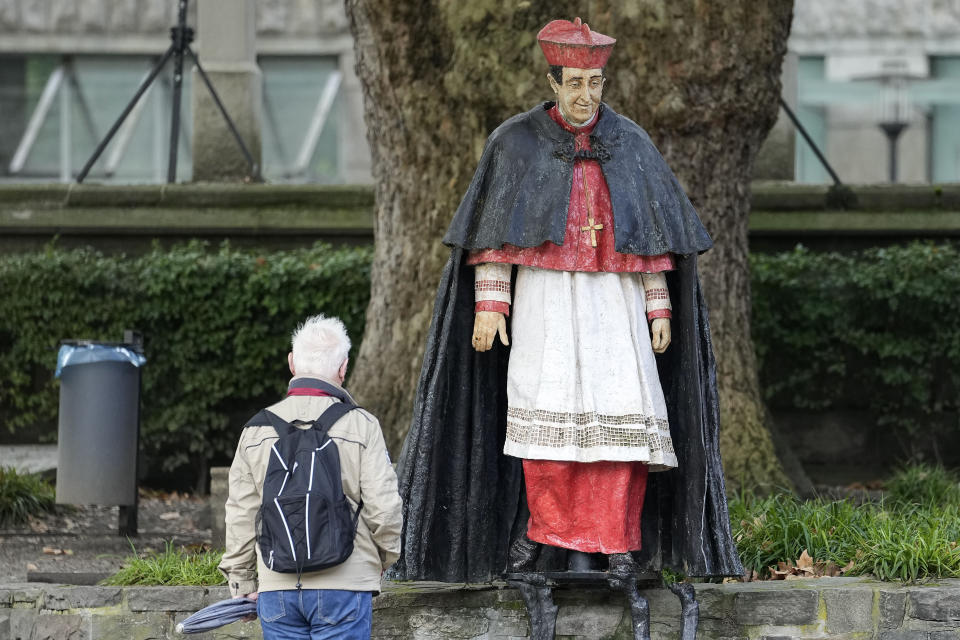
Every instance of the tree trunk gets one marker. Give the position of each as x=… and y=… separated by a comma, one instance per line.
x=702, y=77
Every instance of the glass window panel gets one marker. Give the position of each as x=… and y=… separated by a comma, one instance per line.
x=292, y=89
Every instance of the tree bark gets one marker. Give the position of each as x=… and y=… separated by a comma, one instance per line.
x=702, y=77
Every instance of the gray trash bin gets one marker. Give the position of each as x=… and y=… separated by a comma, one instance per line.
x=98, y=432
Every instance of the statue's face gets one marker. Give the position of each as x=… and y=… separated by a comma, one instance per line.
x=578, y=96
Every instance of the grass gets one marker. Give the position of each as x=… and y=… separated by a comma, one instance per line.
x=912, y=535
x=173, y=567
x=924, y=485
x=23, y=495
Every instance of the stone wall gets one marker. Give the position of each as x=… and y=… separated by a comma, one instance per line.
x=131, y=217
x=845, y=608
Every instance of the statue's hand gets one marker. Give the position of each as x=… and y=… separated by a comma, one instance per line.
x=660, y=334
x=486, y=325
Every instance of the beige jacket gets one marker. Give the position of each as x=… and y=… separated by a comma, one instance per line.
x=366, y=473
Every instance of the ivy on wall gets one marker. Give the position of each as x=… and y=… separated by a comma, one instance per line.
x=216, y=323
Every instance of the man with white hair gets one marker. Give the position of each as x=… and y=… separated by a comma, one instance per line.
x=334, y=602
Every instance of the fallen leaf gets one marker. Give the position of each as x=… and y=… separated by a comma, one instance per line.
x=32, y=567
x=52, y=551
x=805, y=562
x=170, y=515
x=847, y=568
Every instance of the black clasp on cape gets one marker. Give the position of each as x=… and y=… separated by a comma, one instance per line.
x=598, y=151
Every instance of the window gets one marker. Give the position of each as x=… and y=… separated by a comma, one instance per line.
x=56, y=109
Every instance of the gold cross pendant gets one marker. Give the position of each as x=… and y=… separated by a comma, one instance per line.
x=592, y=227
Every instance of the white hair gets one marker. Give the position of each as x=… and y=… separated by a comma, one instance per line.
x=320, y=345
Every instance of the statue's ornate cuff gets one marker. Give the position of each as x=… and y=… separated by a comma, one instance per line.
x=658, y=313
x=492, y=287
x=493, y=305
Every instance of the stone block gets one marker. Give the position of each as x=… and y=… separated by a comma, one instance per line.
x=892, y=605
x=716, y=628
x=215, y=594
x=593, y=621
x=35, y=15
x=944, y=635
x=391, y=622
x=786, y=607
x=935, y=604
x=122, y=17
x=127, y=626
x=715, y=603
x=20, y=622
x=20, y=595
x=507, y=623
x=59, y=626
x=237, y=631
x=458, y=623
x=903, y=635
x=164, y=598
x=63, y=598
x=216, y=154
x=848, y=610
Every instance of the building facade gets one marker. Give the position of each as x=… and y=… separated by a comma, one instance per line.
x=875, y=83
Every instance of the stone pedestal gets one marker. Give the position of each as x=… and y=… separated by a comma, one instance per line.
x=226, y=41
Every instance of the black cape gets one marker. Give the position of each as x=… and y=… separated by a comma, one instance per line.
x=463, y=498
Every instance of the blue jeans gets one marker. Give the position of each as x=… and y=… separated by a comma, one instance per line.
x=315, y=614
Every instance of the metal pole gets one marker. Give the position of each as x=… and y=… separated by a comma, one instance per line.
x=893, y=131
x=126, y=111
x=127, y=517
x=813, y=145
x=126, y=134
x=893, y=160
x=179, y=34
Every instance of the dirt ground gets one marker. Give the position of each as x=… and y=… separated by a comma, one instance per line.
x=84, y=539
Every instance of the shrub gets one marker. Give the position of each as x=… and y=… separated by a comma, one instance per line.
x=876, y=330
x=23, y=495
x=216, y=323
x=173, y=567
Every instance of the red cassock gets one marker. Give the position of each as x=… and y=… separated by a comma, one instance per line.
x=586, y=506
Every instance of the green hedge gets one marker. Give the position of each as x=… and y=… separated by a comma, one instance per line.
x=216, y=322
x=876, y=330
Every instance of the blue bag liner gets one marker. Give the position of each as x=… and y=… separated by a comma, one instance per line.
x=71, y=354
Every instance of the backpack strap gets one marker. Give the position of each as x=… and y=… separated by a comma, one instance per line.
x=323, y=424
x=259, y=420
x=269, y=419
x=330, y=417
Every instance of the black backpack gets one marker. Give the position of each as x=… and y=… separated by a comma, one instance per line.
x=305, y=522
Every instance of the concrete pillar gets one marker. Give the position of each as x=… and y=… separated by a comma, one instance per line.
x=226, y=38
